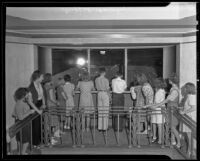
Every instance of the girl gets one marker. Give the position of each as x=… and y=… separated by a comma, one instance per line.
x=51, y=103
x=157, y=120
x=172, y=101
x=21, y=111
x=86, y=100
x=69, y=92
x=189, y=109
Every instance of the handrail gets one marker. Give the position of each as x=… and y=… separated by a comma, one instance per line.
x=14, y=129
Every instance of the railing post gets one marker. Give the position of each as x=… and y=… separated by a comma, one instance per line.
x=171, y=131
x=162, y=140
x=138, y=129
x=130, y=146
x=149, y=114
x=94, y=128
x=20, y=142
x=31, y=145
x=82, y=116
x=74, y=144
x=41, y=120
x=118, y=129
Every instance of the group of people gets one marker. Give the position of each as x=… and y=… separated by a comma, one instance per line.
x=156, y=98
x=42, y=94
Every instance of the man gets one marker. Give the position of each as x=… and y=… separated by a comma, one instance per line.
x=102, y=86
x=118, y=86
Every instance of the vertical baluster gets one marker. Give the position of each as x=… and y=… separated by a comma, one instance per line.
x=130, y=130
x=41, y=126
x=171, y=117
x=191, y=143
x=138, y=129
x=149, y=113
x=118, y=129
x=106, y=120
x=31, y=145
x=94, y=128
x=74, y=144
x=20, y=142
x=162, y=139
x=82, y=115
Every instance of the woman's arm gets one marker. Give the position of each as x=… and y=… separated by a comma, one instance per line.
x=30, y=102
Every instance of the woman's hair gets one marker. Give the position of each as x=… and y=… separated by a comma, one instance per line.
x=67, y=78
x=85, y=76
x=190, y=88
x=159, y=83
x=174, y=78
x=119, y=74
x=47, y=78
x=102, y=70
x=141, y=78
x=36, y=74
x=20, y=93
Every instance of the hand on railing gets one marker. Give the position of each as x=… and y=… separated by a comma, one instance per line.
x=43, y=106
x=32, y=111
x=40, y=112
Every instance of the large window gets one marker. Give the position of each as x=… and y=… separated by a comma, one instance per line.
x=111, y=59
x=67, y=61
x=147, y=61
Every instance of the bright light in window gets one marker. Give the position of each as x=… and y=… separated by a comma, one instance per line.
x=80, y=61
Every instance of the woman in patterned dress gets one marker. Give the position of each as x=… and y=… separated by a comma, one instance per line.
x=86, y=100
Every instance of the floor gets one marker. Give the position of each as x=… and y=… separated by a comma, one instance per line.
x=65, y=146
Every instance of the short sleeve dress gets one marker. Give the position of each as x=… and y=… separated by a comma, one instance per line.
x=190, y=101
x=86, y=99
x=69, y=92
x=61, y=100
x=50, y=104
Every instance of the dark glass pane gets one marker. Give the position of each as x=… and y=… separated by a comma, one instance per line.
x=112, y=60
x=147, y=61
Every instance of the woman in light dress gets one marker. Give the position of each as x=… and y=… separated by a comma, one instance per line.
x=189, y=108
x=69, y=93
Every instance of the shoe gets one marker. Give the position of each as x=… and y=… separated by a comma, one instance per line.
x=144, y=132
x=178, y=146
x=65, y=127
x=53, y=141
x=148, y=128
x=153, y=140
x=173, y=143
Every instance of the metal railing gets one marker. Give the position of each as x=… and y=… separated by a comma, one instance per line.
x=18, y=127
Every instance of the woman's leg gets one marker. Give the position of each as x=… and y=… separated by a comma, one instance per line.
x=88, y=123
x=189, y=143
x=154, y=131
x=176, y=133
x=24, y=147
x=160, y=133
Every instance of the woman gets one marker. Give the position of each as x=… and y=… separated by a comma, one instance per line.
x=172, y=101
x=118, y=87
x=69, y=92
x=148, y=94
x=157, y=118
x=61, y=98
x=21, y=111
x=189, y=108
x=39, y=101
x=51, y=103
x=86, y=101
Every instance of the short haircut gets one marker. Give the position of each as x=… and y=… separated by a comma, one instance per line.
x=36, y=74
x=159, y=83
x=85, y=76
x=47, y=78
x=190, y=88
x=141, y=78
x=174, y=78
x=67, y=78
x=21, y=93
x=102, y=70
x=119, y=74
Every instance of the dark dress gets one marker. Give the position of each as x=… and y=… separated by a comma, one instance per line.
x=36, y=123
x=118, y=107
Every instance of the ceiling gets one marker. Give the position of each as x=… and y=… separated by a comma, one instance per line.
x=178, y=19
x=173, y=11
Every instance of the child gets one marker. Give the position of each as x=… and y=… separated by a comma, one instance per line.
x=21, y=111
x=158, y=119
x=189, y=108
x=69, y=92
x=51, y=104
x=61, y=98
